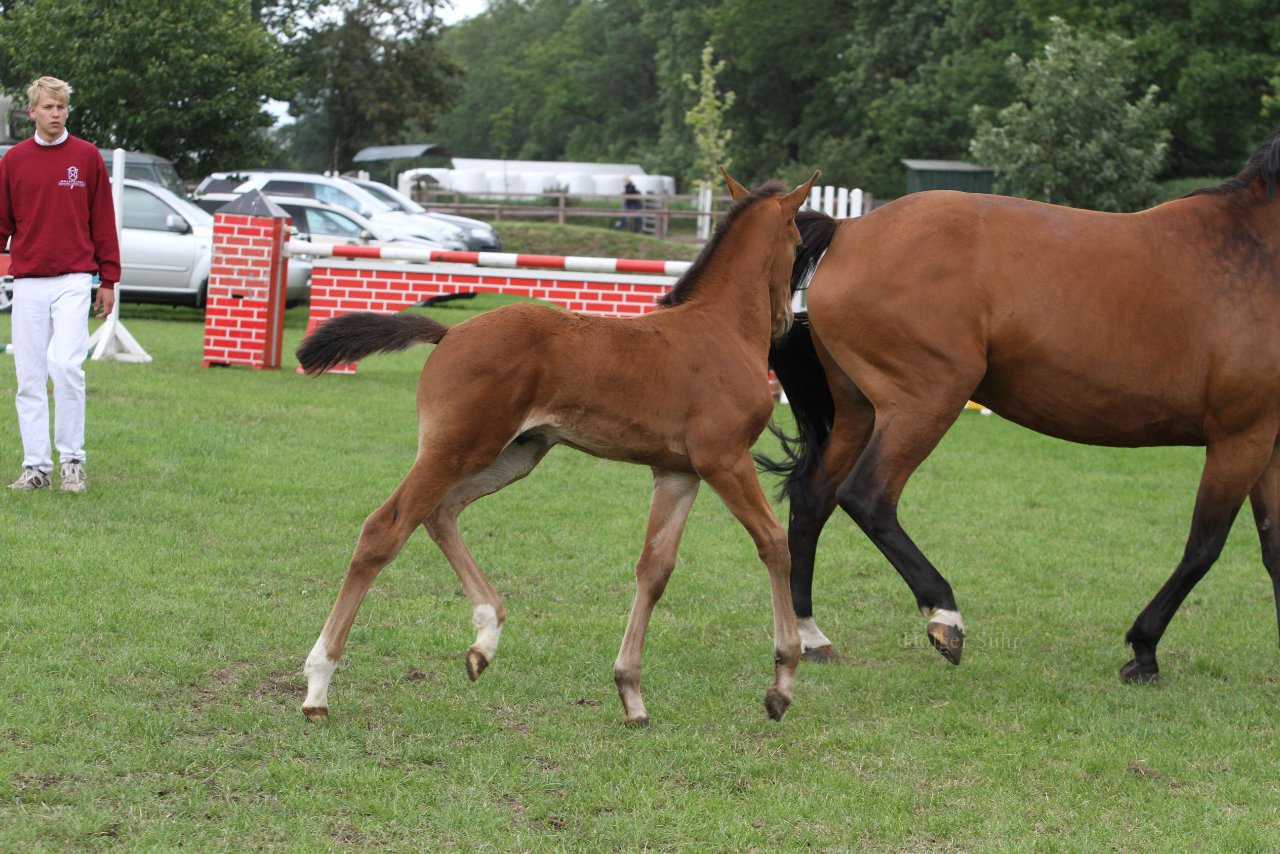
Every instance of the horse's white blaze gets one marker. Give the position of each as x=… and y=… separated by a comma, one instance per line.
x=485, y=619
x=941, y=615
x=811, y=637
x=319, y=670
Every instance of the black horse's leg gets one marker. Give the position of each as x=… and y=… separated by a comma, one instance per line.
x=810, y=510
x=1231, y=469
x=1265, y=499
x=900, y=442
x=809, y=514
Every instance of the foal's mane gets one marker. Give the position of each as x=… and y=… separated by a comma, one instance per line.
x=687, y=283
x=1264, y=165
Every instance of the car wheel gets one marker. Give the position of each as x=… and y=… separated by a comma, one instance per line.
x=202, y=294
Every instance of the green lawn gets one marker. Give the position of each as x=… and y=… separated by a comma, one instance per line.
x=152, y=633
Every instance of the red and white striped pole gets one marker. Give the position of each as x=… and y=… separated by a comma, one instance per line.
x=571, y=263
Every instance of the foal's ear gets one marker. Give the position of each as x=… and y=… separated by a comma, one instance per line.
x=797, y=197
x=736, y=190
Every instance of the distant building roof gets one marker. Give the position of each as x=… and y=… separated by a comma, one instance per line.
x=558, y=167
x=399, y=152
x=944, y=166
x=949, y=175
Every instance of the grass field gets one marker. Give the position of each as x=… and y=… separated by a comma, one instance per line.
x=152, y=633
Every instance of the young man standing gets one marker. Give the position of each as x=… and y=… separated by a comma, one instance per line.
x=56, y=206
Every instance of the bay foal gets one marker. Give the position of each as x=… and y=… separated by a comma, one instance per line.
x=683, y=389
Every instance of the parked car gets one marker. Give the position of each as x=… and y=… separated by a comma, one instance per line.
x=318, y=222
x=480, y=236
x=147, y=167
x=339, y=192
x=166, y=247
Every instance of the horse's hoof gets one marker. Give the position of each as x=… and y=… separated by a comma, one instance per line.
x=315, y=713
x=948, y=640
x=820, y=653
x=1134, y=673
x=641, y=722
x=476, y=663
x=775, y=703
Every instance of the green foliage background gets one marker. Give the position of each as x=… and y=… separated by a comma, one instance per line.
x=848, y=86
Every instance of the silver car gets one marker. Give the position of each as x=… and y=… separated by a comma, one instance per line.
x=166, y=248
x=480, y=236
x=340, y=192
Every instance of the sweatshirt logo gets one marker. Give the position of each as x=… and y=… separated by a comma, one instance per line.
x=73, y=178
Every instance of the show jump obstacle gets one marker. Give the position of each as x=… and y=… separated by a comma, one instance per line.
x=245, y=310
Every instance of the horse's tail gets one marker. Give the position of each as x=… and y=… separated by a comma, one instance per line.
x=351, y=337
x=795, y=363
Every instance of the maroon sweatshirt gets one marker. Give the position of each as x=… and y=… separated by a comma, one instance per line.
x=55, y=201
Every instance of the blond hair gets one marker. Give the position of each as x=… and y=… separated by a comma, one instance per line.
x=48, y=86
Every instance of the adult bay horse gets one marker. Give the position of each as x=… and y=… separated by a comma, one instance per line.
x=683, y=389
x=1154, y=328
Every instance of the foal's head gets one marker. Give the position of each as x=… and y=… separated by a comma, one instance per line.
x=766, y=216
x=780, y=209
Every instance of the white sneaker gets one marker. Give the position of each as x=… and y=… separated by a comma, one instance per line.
x=31, y=478
x=73, y=476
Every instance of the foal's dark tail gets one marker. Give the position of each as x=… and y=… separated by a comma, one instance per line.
x=351, y=337
x=795, y=363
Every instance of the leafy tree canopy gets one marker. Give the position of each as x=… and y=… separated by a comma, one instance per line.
x=1073, y=137
x=369, y=72
x=185, y=79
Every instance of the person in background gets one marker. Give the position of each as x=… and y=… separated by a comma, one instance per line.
x=631, y=202
x=56, y=206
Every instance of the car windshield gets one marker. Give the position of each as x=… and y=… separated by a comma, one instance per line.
x=331, y=223
x=394, y=199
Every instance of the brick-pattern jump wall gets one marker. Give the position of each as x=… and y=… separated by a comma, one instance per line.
x=341, y=286
x=244, y=310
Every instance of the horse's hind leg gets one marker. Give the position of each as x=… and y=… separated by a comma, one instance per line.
x=1265, y=499
x=810, y=508
x=808, y=516
x=488, y=613
x=383, y=535
x=902, y=439
x=1232, y=468
x=739, y=488
x=673, y=495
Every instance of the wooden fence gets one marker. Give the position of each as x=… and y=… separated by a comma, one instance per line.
x=655, y=217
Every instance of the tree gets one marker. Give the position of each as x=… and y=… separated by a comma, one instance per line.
x=1212, y=60
x=1074, y=137
x=706, y=119
x=557, y=79
x=368, y=74
x=184, y=79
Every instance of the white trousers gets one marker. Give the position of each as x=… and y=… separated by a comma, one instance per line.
x=50, y=323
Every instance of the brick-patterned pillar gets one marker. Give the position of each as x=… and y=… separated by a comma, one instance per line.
x=244, y=309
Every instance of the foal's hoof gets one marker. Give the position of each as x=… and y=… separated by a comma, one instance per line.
x=775, y=703
x=948, y=640
x=476, y=663
x=1139, y=674
x=820, y=653
x=315, y=713
x=641, y=722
